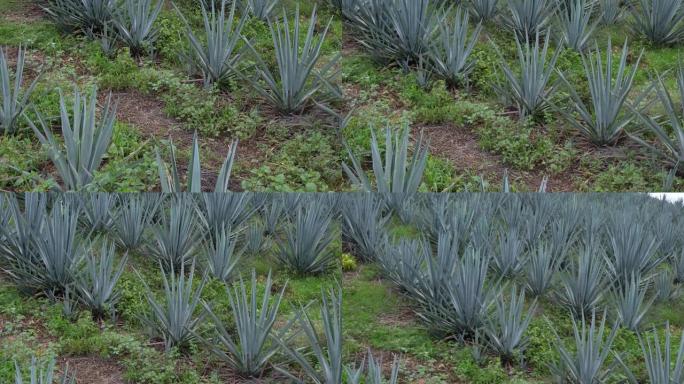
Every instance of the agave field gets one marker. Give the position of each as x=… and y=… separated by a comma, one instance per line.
x=154, y=156
x=335, y=288
x=496, y=288
x=576, y=95
x=289, y=95
x=94, y=93
x=178, y=288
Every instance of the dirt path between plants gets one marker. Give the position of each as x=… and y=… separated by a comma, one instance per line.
x=402, y=316
x=23, y=12
x=460, y=147
x=93, y=369
x=146, y=113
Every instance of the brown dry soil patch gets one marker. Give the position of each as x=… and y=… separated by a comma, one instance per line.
x=409, y=364
x=460, y=147
x=34, y=63
x=92, y=369
x=23, y=12
x=146, y=113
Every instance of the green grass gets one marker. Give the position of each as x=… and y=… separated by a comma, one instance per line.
x=41, y=35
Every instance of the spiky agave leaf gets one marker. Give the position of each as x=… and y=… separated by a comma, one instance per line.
x=401, y=261
x=178, y=233
x=414, y=24
x=250, y=346
x=630, y=304
x=134, y=20
x=14, y=100
x=228, y=209
x=217, y=53
x=305, y=248
x=397, y=31
x=18, y=247
x=587, y=361
x=5, y=214
x=484, y=10
x=633, y=250
x=670, y=133
x=327, y=351
x=299, y=77
x=506, y=329
x=678, y=265
x=68, y=302
x=429, y=275
x=97, y=285
x=469, y=297
x=134, y=213
x=108, y=41
x=261, y=9
x=528, y=18
x=373, y=28
x=471, y=294
x=59, y=247
x=661, y=365
x=364, y=224
x=98, y=210
x=583, y=282
x=170, y=178
x=86, y=16
x=540, y=269
x=42, y=373
x=576, y=22
x=222, y=257
x=374, y=370
x=344, y=6
x=174, y=319
x=397, y=176
x=659, y=21
x=451, y=54
x=666, y=223
x=86, y=138
x=604, y=119
x=509, y=259
x=353, y=374
x=611, y=11
x=564, y=234
x=254, y=237
x=532, y=87
x=664, y=285
x=272, y=214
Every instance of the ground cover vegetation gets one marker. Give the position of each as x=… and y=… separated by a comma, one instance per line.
x=94, y=92
x=519, y=288
x=584, y=93
x=345, y=288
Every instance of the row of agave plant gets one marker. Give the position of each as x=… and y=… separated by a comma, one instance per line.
x=86, y=134
x=47, y=242
x=219, y=50
x=478, y=259
x=73, y=248
x=438, y=40
x=402, y=30
x=398, y=167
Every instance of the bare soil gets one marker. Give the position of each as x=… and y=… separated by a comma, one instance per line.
x=460, y=147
